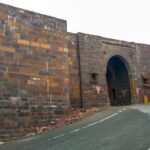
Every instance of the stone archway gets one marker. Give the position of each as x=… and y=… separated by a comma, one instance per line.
x=118, y=85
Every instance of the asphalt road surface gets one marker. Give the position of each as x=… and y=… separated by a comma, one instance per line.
x=117, y=128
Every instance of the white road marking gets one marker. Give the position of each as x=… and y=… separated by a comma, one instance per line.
x=100, y=121
x=108, y=117
x=76, y=130
x=84, y=127
x=92, y=124
x=58, y=136
x=120, y=111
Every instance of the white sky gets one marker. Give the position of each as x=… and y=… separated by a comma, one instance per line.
x=119, y=19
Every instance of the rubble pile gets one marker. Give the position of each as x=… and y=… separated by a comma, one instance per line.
x=68, y=118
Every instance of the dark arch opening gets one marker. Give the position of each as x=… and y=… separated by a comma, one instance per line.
x=118, y=85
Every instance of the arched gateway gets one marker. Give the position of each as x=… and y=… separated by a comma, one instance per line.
x=117, y=77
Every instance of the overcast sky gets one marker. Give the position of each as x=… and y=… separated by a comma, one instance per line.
x=119, y=19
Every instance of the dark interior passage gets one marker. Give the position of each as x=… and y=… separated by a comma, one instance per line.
x=118, y=82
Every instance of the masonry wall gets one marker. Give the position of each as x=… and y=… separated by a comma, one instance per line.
x=34, y=69
x=91, y=62
x=143, y=71
x=95, y=52
x=75, y=99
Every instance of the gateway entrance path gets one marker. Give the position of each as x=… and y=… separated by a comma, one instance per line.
x=117, y=128
x=118, y=85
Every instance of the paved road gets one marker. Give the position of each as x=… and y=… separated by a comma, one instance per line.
x=117, y=128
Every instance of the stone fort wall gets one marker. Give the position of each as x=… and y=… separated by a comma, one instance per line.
x=45, y=70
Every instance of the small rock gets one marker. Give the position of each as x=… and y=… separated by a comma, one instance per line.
x=83, y=110
x=53, y=122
